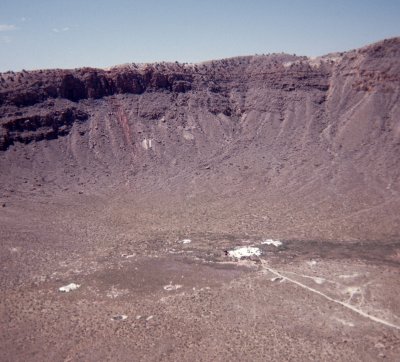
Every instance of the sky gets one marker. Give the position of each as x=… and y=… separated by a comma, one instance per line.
x=37, y=34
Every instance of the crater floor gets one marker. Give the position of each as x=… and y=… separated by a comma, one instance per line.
x=170, y=290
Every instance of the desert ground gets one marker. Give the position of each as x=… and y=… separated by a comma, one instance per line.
x=158, y=283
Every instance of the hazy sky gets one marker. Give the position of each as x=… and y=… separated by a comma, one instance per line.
x=71, y=33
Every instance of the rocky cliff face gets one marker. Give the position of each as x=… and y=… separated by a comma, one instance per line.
x=19, y=91
x=317, y=132
x=29, y=88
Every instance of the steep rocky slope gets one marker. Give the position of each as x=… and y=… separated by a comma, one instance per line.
x=315, y=137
